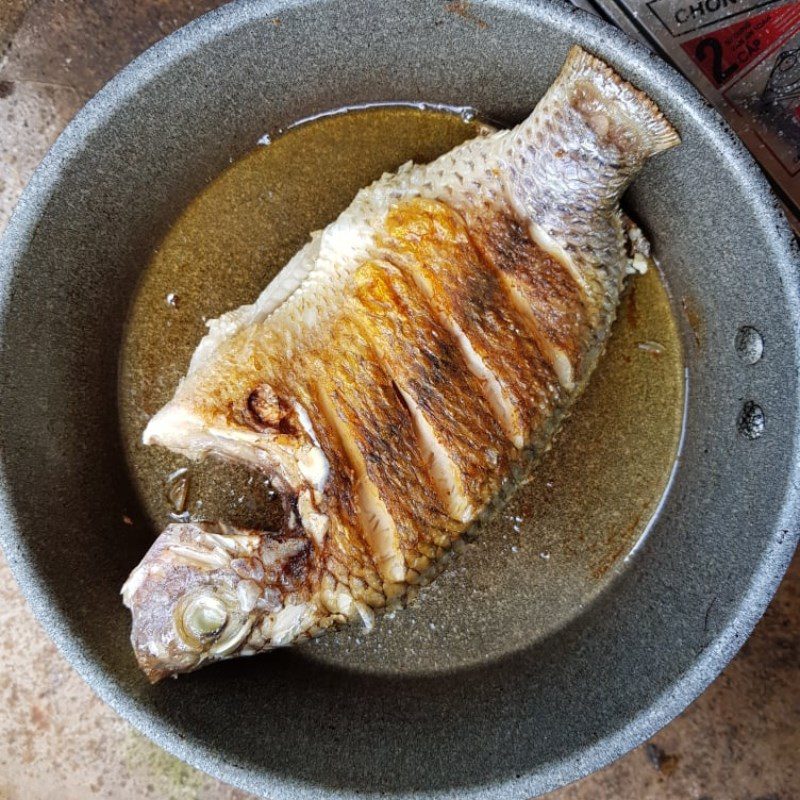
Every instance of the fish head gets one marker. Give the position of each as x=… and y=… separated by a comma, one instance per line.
x=195, y=597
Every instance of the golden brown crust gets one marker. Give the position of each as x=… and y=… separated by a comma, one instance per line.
x=424, y=361
x=430, y=238
x=363, y=396
x=395, y=340
x=557, y=304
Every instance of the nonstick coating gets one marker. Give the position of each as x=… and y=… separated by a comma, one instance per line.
x=514, y=727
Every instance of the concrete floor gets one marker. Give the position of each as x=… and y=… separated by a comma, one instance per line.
x=739, y=741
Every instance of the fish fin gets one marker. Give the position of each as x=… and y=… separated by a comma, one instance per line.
x=617, y=98
x=276, y=293
x=573, y=158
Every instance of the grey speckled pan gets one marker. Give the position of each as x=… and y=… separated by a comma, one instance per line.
x=511, y=727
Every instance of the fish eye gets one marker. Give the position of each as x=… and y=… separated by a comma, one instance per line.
x=200, y=619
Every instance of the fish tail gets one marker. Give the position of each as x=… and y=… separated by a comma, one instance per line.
x=596, y=91
x=571, y=160
x=588, y=137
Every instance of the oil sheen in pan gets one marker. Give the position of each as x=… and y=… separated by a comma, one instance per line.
x=564, y=535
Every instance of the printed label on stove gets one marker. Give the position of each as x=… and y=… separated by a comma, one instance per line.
x=684, y=16
x=744, y=56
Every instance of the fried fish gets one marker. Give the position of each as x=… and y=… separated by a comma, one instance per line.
x=399, y=374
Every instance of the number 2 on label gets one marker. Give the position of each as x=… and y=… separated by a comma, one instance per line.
x=710, y=46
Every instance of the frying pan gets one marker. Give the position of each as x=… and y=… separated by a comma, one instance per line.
x=555, y=707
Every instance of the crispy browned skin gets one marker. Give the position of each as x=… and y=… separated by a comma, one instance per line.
x=389, y=336
x=431, y=239
x=557, y=312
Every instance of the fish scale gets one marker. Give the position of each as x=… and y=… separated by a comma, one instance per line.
x=398, y=376
x=540, y=287
x=433, y=245
x=381, y=431
x=432, y=367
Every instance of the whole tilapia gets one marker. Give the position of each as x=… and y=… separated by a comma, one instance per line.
x=405, y=366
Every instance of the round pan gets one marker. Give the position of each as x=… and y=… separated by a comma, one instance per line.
x=285, y=727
